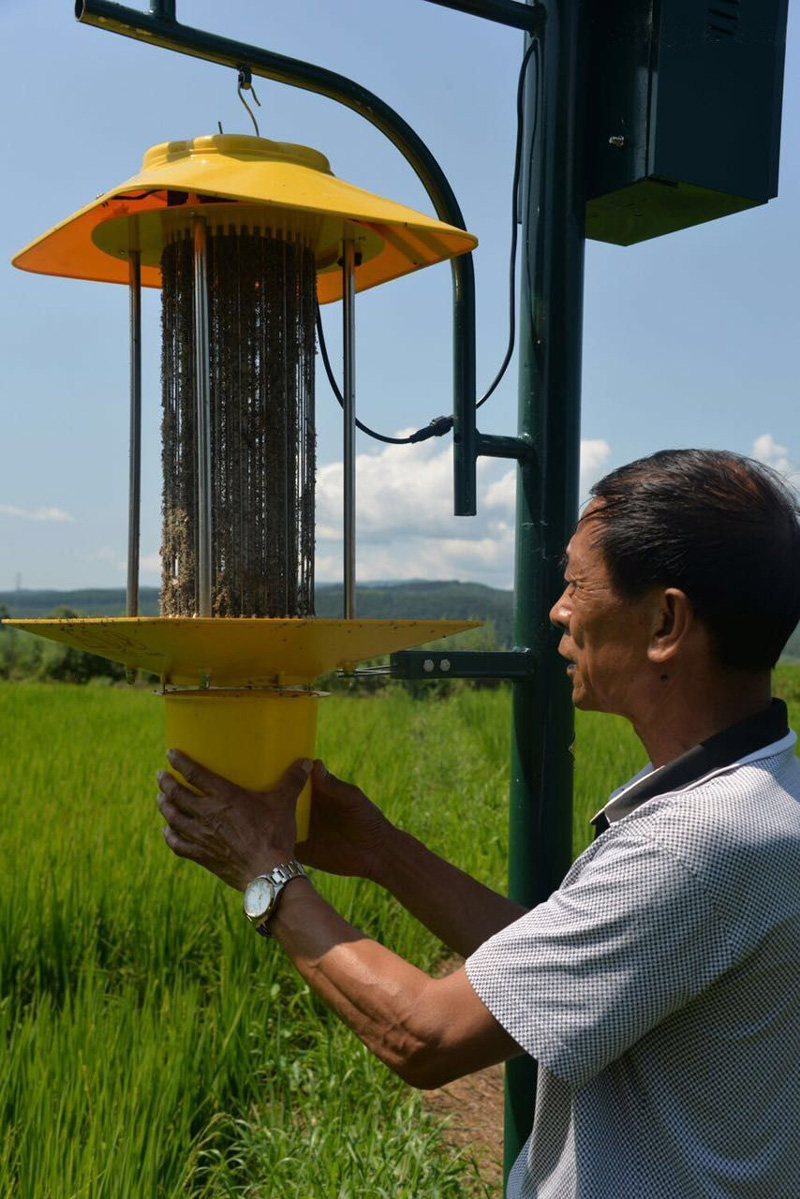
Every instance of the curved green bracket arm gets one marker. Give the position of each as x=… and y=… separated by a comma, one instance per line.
x=157, y=29
x=517, y=13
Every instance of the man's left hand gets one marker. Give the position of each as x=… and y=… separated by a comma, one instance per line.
x=235, y=833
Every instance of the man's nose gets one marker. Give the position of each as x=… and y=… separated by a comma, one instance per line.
x=559, y=613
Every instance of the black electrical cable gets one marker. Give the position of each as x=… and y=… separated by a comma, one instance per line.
x=440, y=425
x=431, y=430
x=515, y=188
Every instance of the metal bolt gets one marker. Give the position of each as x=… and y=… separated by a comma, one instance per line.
x=444, y=665
x=427, y=665
x=618, y=141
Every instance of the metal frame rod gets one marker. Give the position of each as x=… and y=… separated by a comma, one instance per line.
x=171, y=35
x=502, y=12
x=165, y=9
x=349, y=410
x=551, y=330
x=489, y=445
x=202, y=381
x=135, y=450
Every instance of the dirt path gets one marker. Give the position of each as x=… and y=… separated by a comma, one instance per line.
x=473, y=1109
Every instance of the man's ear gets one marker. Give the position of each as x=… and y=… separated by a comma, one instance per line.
x=673, y=620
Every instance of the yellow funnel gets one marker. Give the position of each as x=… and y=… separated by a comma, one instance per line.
x=235, y=178
x=249, y=737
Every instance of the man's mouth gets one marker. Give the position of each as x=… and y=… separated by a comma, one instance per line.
x=571, y=664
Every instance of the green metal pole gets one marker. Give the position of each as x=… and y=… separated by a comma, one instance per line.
x=551, y=326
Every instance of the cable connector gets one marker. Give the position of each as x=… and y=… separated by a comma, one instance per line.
x=440, y=426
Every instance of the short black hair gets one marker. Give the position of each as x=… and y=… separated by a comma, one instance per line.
x=722, y=528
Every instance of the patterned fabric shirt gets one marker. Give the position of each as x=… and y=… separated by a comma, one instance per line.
x=659, y=990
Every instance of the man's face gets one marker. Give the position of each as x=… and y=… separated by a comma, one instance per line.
x=605, y=637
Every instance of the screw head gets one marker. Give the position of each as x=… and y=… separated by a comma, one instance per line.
x=444, y=665
x=427, y=665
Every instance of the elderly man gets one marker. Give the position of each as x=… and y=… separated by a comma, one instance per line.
x=658, y=986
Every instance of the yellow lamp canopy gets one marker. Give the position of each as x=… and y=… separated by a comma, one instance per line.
x=243, y=182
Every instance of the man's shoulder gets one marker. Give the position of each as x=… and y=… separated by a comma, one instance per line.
x=743, y=802
x=737, y=832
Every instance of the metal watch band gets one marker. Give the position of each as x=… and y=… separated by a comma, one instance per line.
x=280, y=875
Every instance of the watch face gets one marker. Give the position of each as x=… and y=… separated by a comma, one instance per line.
x=258, y=898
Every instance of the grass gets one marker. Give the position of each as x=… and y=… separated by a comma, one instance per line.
x=152, y=1045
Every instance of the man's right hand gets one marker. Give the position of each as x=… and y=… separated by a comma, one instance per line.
x=347, y=832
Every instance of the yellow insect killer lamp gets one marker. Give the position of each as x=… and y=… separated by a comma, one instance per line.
x=245, y=237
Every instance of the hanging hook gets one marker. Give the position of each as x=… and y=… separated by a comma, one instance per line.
x=246, y=84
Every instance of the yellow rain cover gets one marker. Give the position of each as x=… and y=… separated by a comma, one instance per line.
x=235, y=178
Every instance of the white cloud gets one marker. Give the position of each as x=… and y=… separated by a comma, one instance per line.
x=405, y=523
x=150, y=564
x=43, y=514
x=767, y=450
x=594, y=457
x=105, y=554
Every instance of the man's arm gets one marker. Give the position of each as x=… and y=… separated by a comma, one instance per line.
x=350, y=835
x=428, y=1031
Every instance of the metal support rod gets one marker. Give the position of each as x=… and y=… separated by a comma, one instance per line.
x=135, y=450
x=491, y=446
x=202, y=382
x=349, y=412
x=551, y=326
x=503, y=12
x=164, y=9
x=170, y=35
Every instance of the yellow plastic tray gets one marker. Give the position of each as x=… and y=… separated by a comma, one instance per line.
x=240, y=651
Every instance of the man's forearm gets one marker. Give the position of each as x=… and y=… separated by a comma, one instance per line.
x=428, y=1031
x=460, y=911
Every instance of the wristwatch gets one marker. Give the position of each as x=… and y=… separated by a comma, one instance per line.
x=262, y=893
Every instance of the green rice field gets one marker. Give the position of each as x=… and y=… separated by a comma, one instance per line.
x=152, y=1045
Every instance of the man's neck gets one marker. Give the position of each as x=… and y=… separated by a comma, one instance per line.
x=685, y=716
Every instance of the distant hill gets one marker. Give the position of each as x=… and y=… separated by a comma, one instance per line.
x=416, y=599
x=375, y=601
x=90, y=602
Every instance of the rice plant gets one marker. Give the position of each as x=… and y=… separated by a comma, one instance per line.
x=152, y=1045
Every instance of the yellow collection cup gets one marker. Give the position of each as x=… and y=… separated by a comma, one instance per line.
x=249, y=737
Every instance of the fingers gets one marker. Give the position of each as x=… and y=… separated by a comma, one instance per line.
x=329, y=785
x=180, y=847
x=181, y=823
x=295, y=778
x=198, y=776
x=186, y=800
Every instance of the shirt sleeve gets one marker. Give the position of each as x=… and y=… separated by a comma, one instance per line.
x=582, y=977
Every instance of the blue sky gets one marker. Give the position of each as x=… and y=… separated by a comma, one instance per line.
x=690, y=340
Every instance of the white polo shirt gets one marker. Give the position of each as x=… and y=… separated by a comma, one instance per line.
x=659, y=991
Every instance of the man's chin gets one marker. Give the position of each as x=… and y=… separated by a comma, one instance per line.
x=580, y=697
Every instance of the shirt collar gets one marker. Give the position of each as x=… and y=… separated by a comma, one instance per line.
x=747, y=738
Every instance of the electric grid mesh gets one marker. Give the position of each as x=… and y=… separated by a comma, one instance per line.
x=261, y=299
